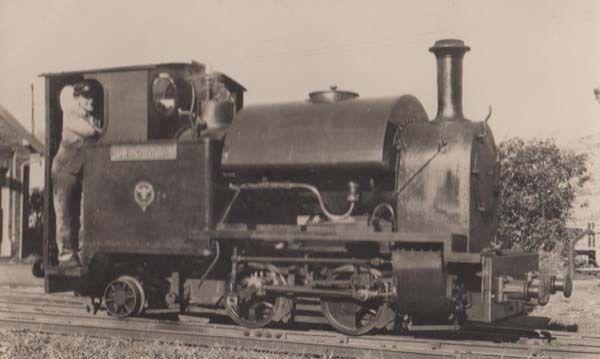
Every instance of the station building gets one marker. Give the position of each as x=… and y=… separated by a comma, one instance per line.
x=21, y=189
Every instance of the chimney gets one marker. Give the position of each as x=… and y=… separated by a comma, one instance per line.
x=449, y=54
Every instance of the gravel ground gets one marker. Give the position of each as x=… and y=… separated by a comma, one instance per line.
x=29, y=345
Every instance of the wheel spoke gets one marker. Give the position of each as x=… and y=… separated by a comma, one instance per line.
x=252, y=313
x=364, y=316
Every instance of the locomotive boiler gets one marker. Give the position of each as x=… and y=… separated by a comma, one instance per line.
x=362, y=208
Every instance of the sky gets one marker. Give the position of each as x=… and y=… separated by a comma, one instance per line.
x=535, y=62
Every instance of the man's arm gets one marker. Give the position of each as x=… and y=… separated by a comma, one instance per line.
x=80, y=126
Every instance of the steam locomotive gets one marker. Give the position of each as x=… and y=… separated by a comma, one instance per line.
x=364, y=207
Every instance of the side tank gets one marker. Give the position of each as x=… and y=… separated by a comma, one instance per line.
x=332, y=131
x=447, y=170
x=333, y=141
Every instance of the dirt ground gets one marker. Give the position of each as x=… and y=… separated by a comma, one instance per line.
x=580, y=312
x=18, y=275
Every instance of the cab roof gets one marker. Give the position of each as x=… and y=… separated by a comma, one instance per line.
x=136, y=68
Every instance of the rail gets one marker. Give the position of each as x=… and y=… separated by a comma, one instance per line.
x=67, y=316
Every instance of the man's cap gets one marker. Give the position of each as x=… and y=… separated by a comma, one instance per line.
x=82, y=89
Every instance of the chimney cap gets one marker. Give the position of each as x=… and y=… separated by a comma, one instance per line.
x=447, y=45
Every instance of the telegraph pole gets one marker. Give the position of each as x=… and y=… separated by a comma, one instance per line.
x=32, y=112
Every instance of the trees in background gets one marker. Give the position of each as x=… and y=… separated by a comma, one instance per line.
x=538, y=185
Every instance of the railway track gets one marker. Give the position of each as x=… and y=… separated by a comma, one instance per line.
x=69, y=315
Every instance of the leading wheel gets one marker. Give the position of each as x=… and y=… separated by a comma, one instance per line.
x=249, y=305
x=124, y=297
x=351, y=316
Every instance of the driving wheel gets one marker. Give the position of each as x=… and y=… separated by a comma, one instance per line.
x=249, y=305
x=351, y=316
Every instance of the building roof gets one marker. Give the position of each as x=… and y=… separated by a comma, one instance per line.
x=14, y=134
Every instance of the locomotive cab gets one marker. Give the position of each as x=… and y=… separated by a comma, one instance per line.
x=146, y=175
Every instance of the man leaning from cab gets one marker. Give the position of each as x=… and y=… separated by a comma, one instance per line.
x=78, y=128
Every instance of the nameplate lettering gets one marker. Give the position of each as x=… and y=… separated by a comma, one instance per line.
x=153, y=152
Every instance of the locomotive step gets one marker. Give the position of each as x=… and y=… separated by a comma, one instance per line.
x=66, y=272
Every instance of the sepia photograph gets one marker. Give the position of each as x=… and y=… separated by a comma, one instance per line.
x=299, y=179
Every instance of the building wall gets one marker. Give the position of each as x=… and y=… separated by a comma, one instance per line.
x=11, y=204
x=21, y=157
x=5, y=243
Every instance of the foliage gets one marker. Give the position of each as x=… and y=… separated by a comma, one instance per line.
x=538, y=185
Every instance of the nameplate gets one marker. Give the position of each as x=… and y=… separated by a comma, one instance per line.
x=149, y=152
